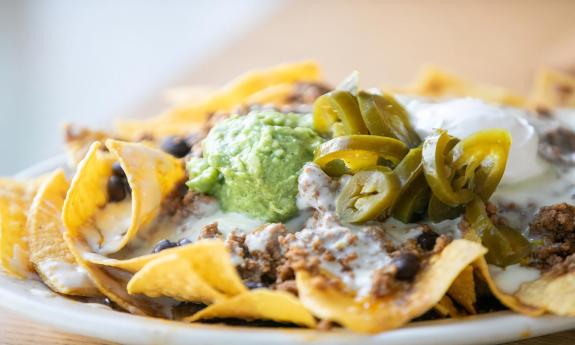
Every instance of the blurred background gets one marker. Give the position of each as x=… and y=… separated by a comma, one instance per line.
x=90, y=61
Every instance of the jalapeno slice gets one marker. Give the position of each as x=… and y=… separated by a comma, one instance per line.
x=506, y=246
x=360, y=152
x=437, y=211
x=367, y=195
x=481, y=159
x=334, y=105
x=384, y=116
x=412, y=202
x=438, y=172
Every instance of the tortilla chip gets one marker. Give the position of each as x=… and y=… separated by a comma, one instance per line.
x=15, y=199
x=276, y=95
x=259, y=304
x=152, y=175
x=511, y=301
x=231, y=96
x=554, y=294
x=86, y=195
x=376, y=315
x=463, y=290
x=436, y=83
x=446, y=308
x=197, y=267
x=171, y=276
x=88, y=192
x=553, y=89
x=49, y=254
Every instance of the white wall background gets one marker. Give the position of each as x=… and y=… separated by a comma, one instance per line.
x=90, y=61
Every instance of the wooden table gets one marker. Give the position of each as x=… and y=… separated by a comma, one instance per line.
x=15, y=330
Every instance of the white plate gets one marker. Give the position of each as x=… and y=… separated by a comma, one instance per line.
x=34, y=300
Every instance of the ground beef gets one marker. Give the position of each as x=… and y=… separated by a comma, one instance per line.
x=210, y=231
x=555, y=227
x=558, y=146
x=259, y=255
x=182, y=203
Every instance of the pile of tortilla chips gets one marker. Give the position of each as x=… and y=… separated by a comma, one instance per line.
x=51, y=226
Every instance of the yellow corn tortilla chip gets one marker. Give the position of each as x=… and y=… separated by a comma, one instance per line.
x=15, y=199
x=463, y=290
x=276, y=95
x=435, y=82
x=259, y=304
x=199, y=265
x=227, y=98
x=554, y=294
x=152, y=175
x=171, y=276
x=86, y=195
x=49, y=254
x=511, y=301
x=376, y=315
x=88, y=191
x=445, y=307
x=553, y=89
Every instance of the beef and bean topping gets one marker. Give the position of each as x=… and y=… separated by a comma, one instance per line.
x=558, y=146
x=554, y=231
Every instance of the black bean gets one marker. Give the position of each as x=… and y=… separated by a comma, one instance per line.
x=162, y=245
x=184, y=241
x=426, y=240
x=176, y=146
x=117, y=170
x=116, y=189
x=253, y=285
x=407, y=265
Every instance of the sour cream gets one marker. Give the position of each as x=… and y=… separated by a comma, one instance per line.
x=466, y=116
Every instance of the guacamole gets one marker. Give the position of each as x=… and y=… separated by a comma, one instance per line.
x=251, y=163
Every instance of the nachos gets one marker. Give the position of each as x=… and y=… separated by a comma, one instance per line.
x=281, y=199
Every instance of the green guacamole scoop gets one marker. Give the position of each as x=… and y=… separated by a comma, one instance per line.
x=251, y=163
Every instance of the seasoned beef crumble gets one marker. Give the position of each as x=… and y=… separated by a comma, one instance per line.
x=555, y=227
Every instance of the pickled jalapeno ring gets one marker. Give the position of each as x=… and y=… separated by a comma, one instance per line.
x=506, y=246
x=483, y=157
x=438, y=171
x=334, y=105
x=360, y=151
x=384, y=116
x=367, y=195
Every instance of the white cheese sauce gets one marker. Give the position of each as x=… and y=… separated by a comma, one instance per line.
x=64, y=274
x=110, y=225
x=510, y=278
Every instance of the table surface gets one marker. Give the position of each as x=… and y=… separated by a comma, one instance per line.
x=15, y=330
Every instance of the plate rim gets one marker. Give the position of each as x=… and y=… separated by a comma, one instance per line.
x=504, y=326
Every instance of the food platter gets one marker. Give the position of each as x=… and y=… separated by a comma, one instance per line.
x=33, y=300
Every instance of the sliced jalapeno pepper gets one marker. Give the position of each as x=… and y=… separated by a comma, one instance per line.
x=482, y=157
x=410, y=166
x=338, y=104
x=439, y=174
x=437, y=211
x=384, y=116
x=506, y=246
x=412, y=202
x=360, y=151
x=367, y=195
